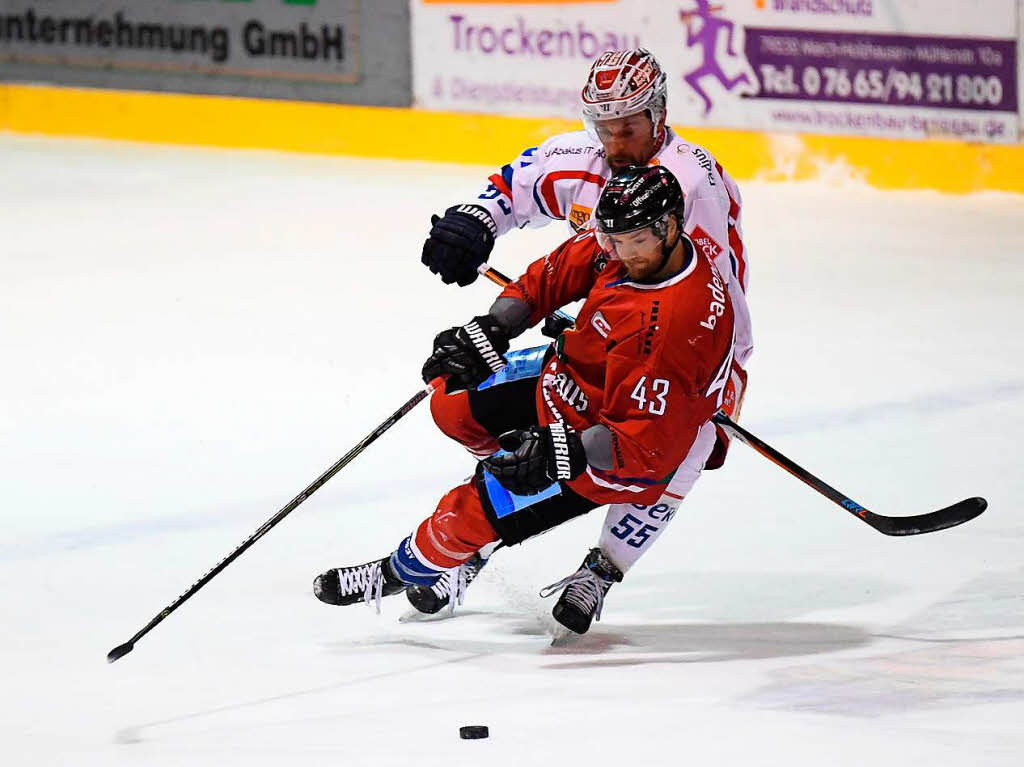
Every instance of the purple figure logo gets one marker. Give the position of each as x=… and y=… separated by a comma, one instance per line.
x=706, y=38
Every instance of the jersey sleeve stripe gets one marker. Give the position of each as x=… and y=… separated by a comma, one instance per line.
x=547, y=187
x=540, y=203
x=501, y=184
x=612, y=485
x=608, y=476
x=547, y=190
x=736, y=249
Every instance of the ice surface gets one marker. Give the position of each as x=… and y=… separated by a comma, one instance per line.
x=189, y=337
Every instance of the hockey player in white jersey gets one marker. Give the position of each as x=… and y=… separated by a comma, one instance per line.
x=624, y=112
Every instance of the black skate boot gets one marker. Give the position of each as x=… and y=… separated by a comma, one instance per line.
x=433, y=599
x=361, y=583
x=583, y=597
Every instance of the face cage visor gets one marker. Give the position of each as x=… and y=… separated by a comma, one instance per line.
x=655, y=106
x=616, y=248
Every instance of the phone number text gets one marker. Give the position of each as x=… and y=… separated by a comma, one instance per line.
x=879, y=86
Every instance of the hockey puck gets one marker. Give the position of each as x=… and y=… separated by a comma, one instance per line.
x=474, y=732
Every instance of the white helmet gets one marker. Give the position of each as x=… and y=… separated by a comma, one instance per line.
x=623, y=83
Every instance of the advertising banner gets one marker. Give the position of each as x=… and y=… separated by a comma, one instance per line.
x=247, y=46
x=1020, y=64
x=906, y=68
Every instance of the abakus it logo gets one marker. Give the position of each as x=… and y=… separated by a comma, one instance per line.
x=714, y=41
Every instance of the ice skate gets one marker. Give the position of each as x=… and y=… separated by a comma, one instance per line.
x=361, y=583
x=432, y=599
x=583, y=596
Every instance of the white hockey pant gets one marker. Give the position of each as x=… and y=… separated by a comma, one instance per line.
x=630, y=529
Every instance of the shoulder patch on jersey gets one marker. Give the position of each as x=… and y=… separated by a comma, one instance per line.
x=705, y=243
x=579, y=215
x=601, y=325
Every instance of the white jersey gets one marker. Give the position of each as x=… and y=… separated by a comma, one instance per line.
x=563, y=178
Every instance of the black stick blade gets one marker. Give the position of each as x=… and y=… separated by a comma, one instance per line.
x=951, y=516
x=120, y=651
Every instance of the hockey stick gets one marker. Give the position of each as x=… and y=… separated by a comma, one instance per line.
x=502, y=281
x=121, y=650
x=951, y=516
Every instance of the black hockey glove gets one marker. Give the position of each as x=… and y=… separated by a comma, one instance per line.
x=468, y=355
x=537, y=457
x=555, y=324
x=458, y=243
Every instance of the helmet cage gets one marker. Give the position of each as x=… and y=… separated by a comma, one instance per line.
x=656, y=111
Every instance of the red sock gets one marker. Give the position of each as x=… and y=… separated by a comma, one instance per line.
x=456, y=530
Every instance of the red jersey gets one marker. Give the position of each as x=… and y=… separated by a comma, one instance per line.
x=648, y=361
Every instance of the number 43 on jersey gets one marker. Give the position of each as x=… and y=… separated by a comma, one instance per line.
x=655, y=404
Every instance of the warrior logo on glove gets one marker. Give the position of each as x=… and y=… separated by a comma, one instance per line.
x=459, y=242
x=560, y=448
x=468, y=355
x=535, y=458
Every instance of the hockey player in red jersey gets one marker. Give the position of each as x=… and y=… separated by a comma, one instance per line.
x=624, y=104
x=613, y=412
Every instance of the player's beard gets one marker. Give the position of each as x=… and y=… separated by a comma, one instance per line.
x=641, y=271
x=618, y=164
x=652, y=266
x=641, y=156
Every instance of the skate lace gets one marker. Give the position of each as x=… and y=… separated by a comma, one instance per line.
x=367, y=578
x=459, y=581
x=453, y=583
x=585, y=590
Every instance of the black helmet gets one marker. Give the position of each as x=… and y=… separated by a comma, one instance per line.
x=636, y=197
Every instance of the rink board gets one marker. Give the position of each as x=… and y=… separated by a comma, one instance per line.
x=948, y=166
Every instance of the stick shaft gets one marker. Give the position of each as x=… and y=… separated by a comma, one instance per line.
x=792, y=467
x=280, y=515
x=932, y=522
x=121, y=650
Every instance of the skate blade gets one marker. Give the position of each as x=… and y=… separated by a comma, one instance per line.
x=562, y=636
x=415, y=616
